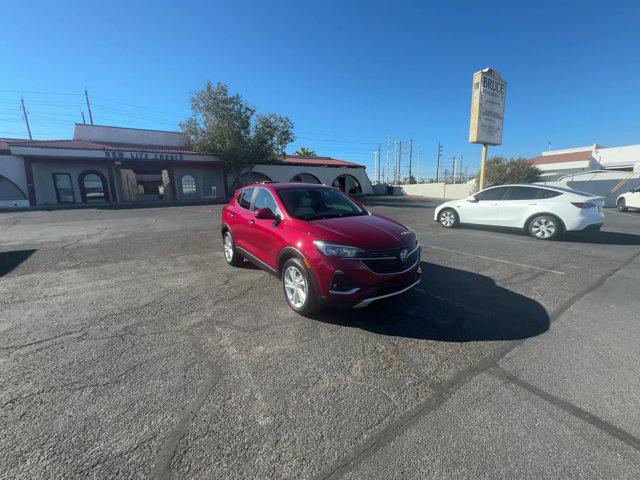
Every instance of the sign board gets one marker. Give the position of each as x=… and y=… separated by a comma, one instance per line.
x=143, y=156
x=487, y=107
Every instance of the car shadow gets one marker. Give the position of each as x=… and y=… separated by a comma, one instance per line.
x=11, y=260
x=589, y=237
x=449, y=305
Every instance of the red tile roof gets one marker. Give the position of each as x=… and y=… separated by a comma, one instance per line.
x=319, y=161
x=562, y=157
x=6, y=143
x=94, y=145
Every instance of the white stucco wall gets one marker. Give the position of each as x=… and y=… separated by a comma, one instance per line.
x=438, y=190
x=101, y=133
x=43, y=179
x=326, y=175
x=621, y=157
x=12, y=168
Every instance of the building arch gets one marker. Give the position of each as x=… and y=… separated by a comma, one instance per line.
x=188, y=184
x=248, y=178
x=304, y=178
x=9, y=190
x=347, y=183
x=93, y=187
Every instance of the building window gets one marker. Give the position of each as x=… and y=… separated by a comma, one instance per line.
x=188, y=185
x=347, y=183
x=64, y=188
x=93, y=187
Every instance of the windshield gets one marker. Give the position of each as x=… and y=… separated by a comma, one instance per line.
x=317, y=203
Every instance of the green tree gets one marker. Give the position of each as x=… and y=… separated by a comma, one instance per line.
x=305, y=152
x=227, y=126
x=501, y=171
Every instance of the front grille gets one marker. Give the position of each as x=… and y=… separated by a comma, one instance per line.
x=388, y=262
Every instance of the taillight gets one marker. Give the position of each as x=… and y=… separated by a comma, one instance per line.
x=584, y=205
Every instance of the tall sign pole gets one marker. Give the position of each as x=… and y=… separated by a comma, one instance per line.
x=487, y=112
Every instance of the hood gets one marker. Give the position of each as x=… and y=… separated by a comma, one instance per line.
x=371, y=232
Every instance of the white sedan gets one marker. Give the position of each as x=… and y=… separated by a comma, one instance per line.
x=543, y=212
x=628, y=200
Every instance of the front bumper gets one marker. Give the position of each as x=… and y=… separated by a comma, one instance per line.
x=368, y=287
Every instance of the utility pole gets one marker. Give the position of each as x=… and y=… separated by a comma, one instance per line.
x=395, y=161
x=376, y=160
x=418, y=160
x=410, y=158
x=26, y=117
x=83, y=120
x=387, y=171
x=86, y=96
x=460, y=169
x=399, y=160
x=453, y=170
x=438, y=162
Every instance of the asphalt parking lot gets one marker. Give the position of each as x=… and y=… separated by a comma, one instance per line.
x=129, y=349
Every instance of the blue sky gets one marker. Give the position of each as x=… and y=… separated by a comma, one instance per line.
x=346, y=73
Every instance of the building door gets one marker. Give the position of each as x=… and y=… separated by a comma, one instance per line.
x=93, y=187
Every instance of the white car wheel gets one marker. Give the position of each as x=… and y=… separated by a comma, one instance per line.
x=448, y=218
x=544, y=227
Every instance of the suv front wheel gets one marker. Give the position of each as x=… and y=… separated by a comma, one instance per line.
x=545, y=227
x=298, y=288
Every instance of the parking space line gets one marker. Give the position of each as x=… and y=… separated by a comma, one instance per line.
x=475, y=234
x=496, y=259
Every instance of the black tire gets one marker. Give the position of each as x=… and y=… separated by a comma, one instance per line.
x=448, y=218
x=545, y=227
x=622, y=205
x=232, y=256
x=311, y=301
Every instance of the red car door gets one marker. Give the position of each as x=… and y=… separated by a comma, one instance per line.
x=242, y=219
x=267, y=237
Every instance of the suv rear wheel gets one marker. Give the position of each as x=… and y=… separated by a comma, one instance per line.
x=545, y=227
x=298, y=288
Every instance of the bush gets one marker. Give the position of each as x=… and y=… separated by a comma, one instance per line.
x=501, y=171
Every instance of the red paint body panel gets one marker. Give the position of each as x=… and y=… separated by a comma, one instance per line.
x=266, y=240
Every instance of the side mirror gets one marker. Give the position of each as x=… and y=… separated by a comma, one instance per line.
x=264, y=214
x=472, y=199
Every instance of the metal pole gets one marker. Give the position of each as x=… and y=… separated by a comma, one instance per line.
x=485, y=149
x=83, y=120
x=388, y=169
x=26, y=117
x=438, y=162
x=379, y=151
x=86, y=96
x=399, y=160
x=453, y=170
x=410, y=159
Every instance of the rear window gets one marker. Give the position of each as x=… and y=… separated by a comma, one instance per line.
x=529, y=193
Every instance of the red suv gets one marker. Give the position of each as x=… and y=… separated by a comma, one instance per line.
x=323, y=245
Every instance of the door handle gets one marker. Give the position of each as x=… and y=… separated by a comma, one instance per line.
x=251, y=222
x=232, y=215
x=532, y=204
x=495, y=204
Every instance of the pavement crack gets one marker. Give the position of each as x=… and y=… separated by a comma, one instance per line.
x=568, y=407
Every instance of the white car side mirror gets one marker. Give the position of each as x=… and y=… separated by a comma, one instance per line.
x=472, y=199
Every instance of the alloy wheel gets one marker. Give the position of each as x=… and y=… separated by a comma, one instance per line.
x=447, y=218
x=295, y=286
x=543, y=227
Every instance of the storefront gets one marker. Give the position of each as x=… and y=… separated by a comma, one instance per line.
x=116, y=165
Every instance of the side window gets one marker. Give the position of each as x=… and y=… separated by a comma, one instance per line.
x=244, y=199
x=265, y=200
x=543, y=193
x=64, y=188
x=492, y=194
x=522, y=193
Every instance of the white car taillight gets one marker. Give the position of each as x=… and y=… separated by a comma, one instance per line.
x=584, y=205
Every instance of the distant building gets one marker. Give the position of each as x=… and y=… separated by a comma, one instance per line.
x=559, y=163
x=104, y=164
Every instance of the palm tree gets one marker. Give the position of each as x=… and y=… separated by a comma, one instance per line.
x=305, y=152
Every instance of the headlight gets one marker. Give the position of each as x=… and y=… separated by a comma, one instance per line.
x=335, y=250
